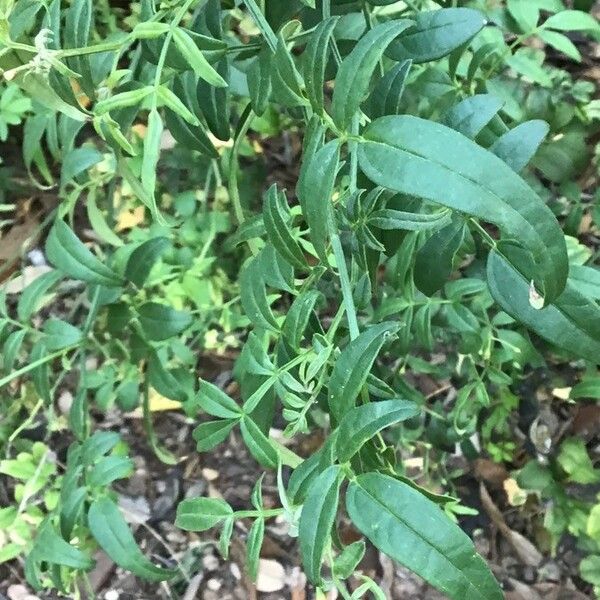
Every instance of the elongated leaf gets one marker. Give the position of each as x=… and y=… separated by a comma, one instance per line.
x=315, y=61
x=471, y=115
x=195, y=58
x=409, y=155
x=50, y=547
x=78, y=161
x=164, y=382
x=11, y=347
x=316, y=520
x=571, y=321
x=296, y=320
x=211, y=434
x=160, y=322
x=386, y=97
x=109, y=469
x=216, y=402
x=435, y=259
x=143, y=258
x=151, y=151
x=32, y=296
x=315, y=189
x=361, y=423
x=258, y=443
x=354, y=74
x=436, y=34
x=275, y=271
x=517, y=146
x=200, y=514
x=353, y=365
x=60, y=334
x=287, y=81
x=260, y=82
x=215, y=104
x=193, y=138
x=99, y=224
x=390, y=219
x=276, y=217
x=110, y=530
x=413, y=530
x=254, y=544
x=254, y=297
x=68, y=254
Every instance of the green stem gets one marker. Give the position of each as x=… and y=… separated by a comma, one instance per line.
x=348, y=299
x=31, y=366
x=232, y=181
x=254, y=514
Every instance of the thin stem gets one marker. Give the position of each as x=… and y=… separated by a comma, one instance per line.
x=31, y=366
x=348, y=299
x=262, y=24
x=253, y=514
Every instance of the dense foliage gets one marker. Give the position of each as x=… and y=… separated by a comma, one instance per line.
x=447, y=168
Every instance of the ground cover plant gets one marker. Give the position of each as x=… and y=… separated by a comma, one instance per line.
x=439, y=198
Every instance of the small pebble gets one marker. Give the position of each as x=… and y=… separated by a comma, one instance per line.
x=111, y=595
x=210, y=562
x=214, y=585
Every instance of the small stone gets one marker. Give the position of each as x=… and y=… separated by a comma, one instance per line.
x=210, y=474
x=210, y=562
x=235, y=571
x=214, y=585
x=111, y=595
x=65, y=400
x=271, y=576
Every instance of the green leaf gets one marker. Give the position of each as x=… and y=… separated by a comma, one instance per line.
x=275, y=271
x=200, y=514
x=60, y=334
x=99, y=224
x=151, y=151
x=110, y=530
x=434, y=261
x=525, y=13
x=123, y=100
x=560, y=42
x=163, y=381
x=316, y=520
x=353, y=365
x=287, y=81
x=32, y=296
x=217, y=403
x=254, y=297
x=348, y=560
x=571, y=321
x=68, y=254
x=436, y=34
x=472, y=114
x=315, y=61
x=354, y=74
x=413, y=530
x=215, y=104
x=211, y=434
x=409, y=155
x=572, y=20
x=260, y=84
x=253, y=546
x=360, y=424
x=276, y=217
x=170, y=100
x=390, y=219
x=386, y=97
x=589, y=568
x=160, y=322
x=40, y=375
x=258, y=443
x=517, y=146
x=10, y=349
x=298, y=316
x=50, y=547
x=524, y=64
x=78, y=161
x=192, y=138
x=195, y=58
x=576, y=462
x=315, y=189
x=143, y=258
x=109, y=469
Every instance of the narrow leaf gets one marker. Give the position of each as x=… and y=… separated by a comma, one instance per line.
x=413, y=530
x=353, y=365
